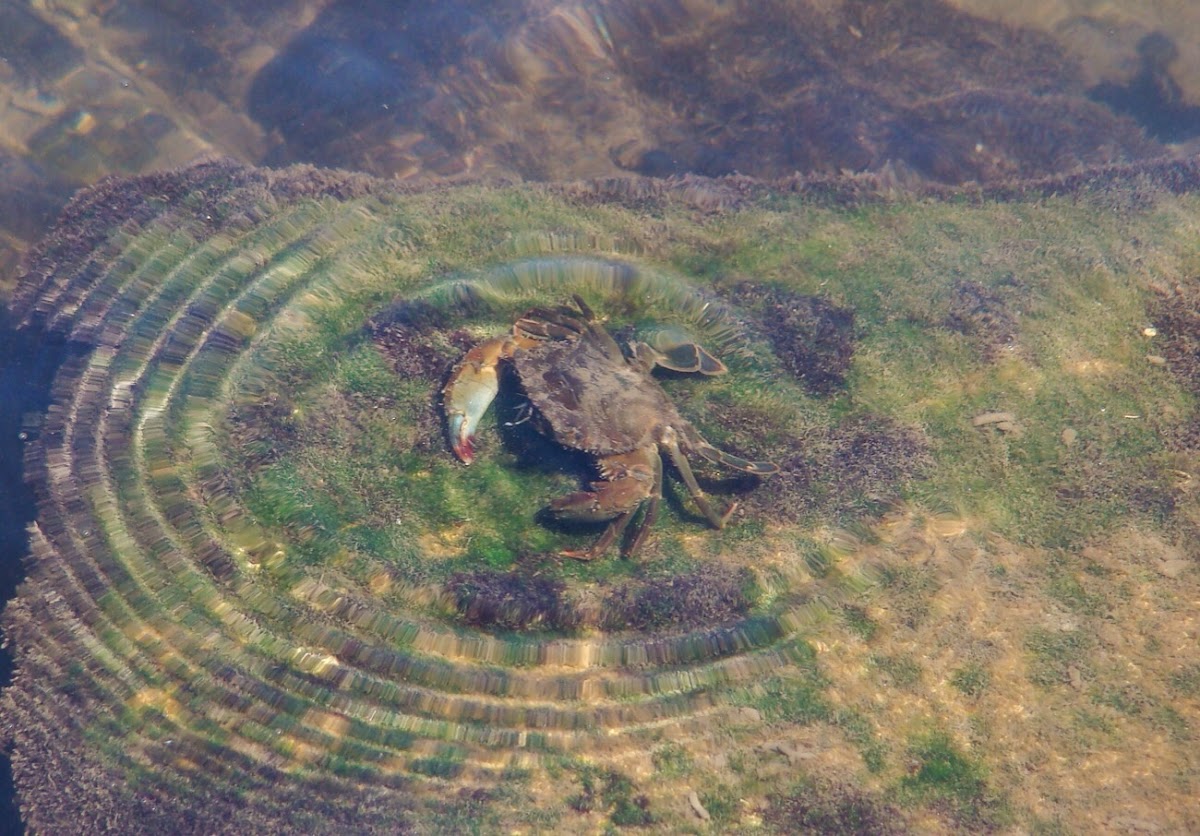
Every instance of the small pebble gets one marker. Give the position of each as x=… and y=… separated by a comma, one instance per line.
x=746, y=714
x=993, y=418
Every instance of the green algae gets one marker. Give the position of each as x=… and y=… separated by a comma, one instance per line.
x=942, y=773
x=972, y=680
x=908, y=364
x=277, y=557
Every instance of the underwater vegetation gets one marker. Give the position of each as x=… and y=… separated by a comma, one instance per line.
x=262, y=589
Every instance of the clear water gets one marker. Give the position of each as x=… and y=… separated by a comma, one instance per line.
x=550, y=91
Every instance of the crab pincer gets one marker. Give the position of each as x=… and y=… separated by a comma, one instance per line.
x=470, y=391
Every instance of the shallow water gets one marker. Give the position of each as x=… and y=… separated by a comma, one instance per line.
x=557, y=92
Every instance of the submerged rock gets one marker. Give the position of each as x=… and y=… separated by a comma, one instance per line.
x=260, y=590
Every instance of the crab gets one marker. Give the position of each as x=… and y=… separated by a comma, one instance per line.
x=595, y=396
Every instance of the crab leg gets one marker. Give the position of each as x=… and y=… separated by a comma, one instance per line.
x=647, y=521
x=669, y=440
x=677, y=357
x=628, y=481
x=602, y=543
x=736, y=462
x=470, y=391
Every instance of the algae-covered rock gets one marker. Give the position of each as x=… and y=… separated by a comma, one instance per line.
x=262, y=594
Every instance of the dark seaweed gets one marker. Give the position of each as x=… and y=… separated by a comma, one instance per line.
x=854, y=468
x=412, y=352
x=979, y=312
x=1176, y=314
x=710, y=595
x=613, y=793
x=812, y=337
x=1152, y=96
x=512, y=601
x=828, y=807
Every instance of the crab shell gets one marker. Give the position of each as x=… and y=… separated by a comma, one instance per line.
x=591, y=397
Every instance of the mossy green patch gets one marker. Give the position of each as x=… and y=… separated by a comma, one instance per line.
x=1073, y=362
x=971, y=680
x=941, y=774
x=672, y=760
x=1186, y=681
x=898, y=671
x=363, y=372
x=858, y=729
x=960, y=397
x=859, y=621
x=1069, y=584
x=721, y=804
x=1054, y=652
x=436, y=767
x=612, y=793
x=792, y=696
